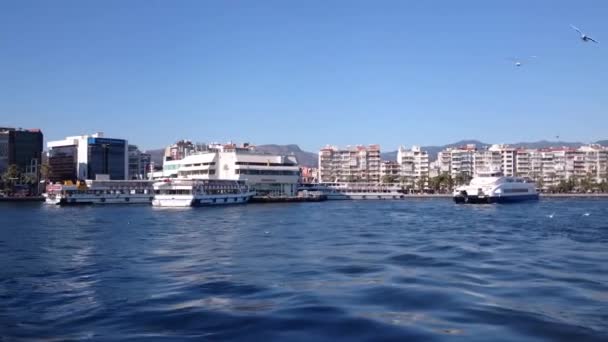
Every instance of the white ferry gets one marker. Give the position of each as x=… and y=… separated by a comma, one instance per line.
x=493, y=187
x=356, y=191
x=182, y=192
x=100, y=192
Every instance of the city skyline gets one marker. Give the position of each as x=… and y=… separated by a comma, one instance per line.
x=390, y=73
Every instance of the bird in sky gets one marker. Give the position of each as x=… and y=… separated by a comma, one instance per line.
x=518, y=62
x=585, y=38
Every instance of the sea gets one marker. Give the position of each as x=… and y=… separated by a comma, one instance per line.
x=405, y=270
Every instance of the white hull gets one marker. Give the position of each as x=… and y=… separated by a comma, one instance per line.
x=200, y=200
x=364, y=196
x=92, y=199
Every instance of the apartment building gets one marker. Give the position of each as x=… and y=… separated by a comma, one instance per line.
x=352, y=164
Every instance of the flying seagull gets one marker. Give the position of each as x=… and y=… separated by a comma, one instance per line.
x=585, y=38
x=520, y=61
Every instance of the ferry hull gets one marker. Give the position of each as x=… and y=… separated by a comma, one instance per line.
x=204, y=201
x=364, y=196
x=99, y=200
x=494, y=199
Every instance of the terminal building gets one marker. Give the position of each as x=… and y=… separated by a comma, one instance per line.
x=87, y=156
x=267, y=174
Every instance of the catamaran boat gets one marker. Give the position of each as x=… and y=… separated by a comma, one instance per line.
x=182, y=192
x=356, y=191
x=493, y=187
x=100, y=192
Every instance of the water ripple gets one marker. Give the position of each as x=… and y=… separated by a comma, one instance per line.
x=419, y=270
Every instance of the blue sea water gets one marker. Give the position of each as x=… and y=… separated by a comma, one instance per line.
x=415, y=270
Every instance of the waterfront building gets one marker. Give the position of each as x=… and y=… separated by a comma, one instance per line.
x=352, y=164
x=528, y=164
x=496, y=157
x=87, y=156
x=390, y=171
x=458, y=160
x=414, y=163
x=21, y=147
x=308, y=175
x=596, y=161
x=267, y=174
x=139, y=163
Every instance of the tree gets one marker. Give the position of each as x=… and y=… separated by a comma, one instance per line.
x=389, y=179
x=587, y=183
x=10, y=176
x=421, y=183
x=45, y=171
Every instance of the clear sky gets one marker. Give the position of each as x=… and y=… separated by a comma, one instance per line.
x=305, y=72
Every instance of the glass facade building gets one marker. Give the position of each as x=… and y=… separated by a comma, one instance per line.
x=22, y=148
x=107, y=156
x=88, y=157
x=62, y=162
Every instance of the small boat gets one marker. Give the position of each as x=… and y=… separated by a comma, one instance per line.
x=100, y=192
x=182, y=192
x=493, y=187
x=356, y=191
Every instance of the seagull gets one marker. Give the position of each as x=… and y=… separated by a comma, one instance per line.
x=585, y=38
x=586, y=214
x=520, y=61
x=551, y=215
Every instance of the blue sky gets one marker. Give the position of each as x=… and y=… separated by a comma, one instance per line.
x=307, y=72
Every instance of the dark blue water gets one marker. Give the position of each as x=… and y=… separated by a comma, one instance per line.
x=416, y=270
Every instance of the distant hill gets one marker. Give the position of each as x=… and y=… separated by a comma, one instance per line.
x=304, y=158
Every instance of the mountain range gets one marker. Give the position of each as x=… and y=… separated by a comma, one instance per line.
x=311, y=159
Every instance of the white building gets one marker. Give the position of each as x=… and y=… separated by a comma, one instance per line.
x=390, y=171
x=459, y=160
x=414, y=162
x=596, y=161
x=264, y=173
x=86, y=156
x=353, y=164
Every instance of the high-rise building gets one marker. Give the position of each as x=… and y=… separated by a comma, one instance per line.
x=353, y=164
x=458, y=160
x=596, y=161
x=414, y=162
x=390, y=171
x=87, y=156
x=21, y=147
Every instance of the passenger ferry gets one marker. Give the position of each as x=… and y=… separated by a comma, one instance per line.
x=356, y=191
x=493, y=187
x=178, y=192
x=100, y=192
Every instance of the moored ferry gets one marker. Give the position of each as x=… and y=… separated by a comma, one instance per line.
x=356, y=191
x=100, y=192
x=493, y=187
x=178, y=192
